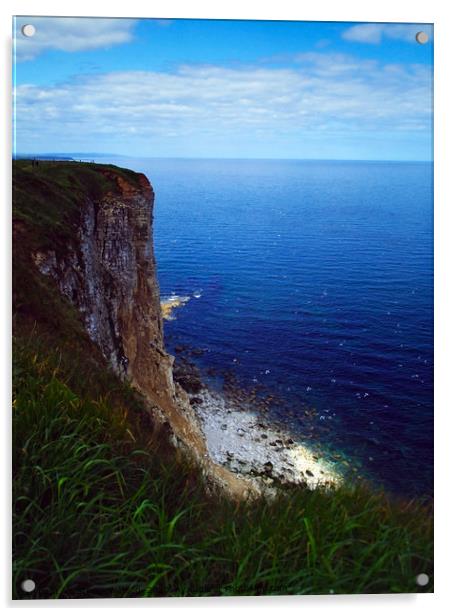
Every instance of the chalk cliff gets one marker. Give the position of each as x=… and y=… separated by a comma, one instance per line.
x=107, y=270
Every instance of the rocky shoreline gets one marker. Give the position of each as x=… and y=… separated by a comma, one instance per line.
x=240, y=436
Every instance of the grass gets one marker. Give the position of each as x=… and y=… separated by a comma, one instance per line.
x=48, y=197
x=103, y=508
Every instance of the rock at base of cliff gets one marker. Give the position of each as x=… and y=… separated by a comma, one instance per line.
x=188, y=376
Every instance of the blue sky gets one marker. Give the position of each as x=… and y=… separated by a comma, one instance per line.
x=198, y=88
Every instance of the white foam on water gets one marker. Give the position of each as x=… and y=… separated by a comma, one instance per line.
x=170, y=303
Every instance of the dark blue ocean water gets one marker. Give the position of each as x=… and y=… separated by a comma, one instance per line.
x=316, y=280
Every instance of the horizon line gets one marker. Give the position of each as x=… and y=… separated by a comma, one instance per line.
x=116, y=155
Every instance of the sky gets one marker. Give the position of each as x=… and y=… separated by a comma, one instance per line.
x=223, y=89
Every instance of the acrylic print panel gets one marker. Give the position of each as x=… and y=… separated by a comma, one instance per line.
x=223, y=305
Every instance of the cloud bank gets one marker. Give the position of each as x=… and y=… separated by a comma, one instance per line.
x=320, y=95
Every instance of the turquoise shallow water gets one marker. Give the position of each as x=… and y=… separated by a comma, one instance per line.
x=314, y=279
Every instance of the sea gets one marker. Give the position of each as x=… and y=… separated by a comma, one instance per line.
x=313, y=281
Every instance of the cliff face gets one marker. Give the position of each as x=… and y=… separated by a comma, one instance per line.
x=107, y=270
x=108, y=273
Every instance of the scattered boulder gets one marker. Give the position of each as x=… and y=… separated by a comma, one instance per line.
x=187, y=375
x=268, y=468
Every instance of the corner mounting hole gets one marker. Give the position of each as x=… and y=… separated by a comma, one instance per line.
x=28, y=30
x=422, y=579
x=28, y=585
x=422, y=37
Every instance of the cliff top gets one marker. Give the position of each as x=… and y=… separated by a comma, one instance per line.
x=47, y=194
x=47, y=205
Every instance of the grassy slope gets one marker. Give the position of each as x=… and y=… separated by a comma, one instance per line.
x=101, y=509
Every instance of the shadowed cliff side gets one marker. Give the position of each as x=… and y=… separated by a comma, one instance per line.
x=88, y=229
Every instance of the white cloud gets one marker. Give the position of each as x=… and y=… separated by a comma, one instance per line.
x=320, y=94
x=375, y=33
x=70, y=34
